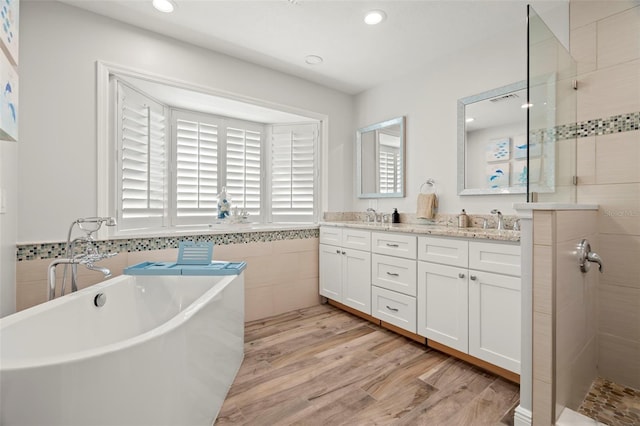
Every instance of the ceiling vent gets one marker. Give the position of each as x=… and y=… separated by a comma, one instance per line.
x=505, y=97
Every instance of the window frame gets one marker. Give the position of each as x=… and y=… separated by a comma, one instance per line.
x=106, y=152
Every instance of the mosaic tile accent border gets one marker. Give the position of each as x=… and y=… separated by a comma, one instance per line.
x=597, y=127
x=56, y=250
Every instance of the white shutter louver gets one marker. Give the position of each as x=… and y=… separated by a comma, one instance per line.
x=293, y=159
x=196, y=168
x=243, y=168
x=142, y=160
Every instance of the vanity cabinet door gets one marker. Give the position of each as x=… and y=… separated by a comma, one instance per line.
x=394, y=244
x=395, y=308
x=443, y=304
x=501, y=258
x=331, y=235
x=494, y=319
x=331, y=272
x=356, y=280
x=356, y=239
x=394, y=273
x=447, y=251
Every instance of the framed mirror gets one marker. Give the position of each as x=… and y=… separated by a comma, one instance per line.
x=380, y=150
x=492, y=141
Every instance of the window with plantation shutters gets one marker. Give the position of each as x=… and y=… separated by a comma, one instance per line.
x=243, y=166
x=293, y=170
x=141, y=160
x=166, y=165
x=196, y=154
x=390, y=165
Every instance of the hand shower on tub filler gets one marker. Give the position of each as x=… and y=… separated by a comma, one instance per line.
x=81, y=250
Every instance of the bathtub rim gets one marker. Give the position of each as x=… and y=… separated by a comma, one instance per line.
x=173, y=323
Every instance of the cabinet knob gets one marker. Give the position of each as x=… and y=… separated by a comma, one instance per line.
x=338, y=251
x=344, y=252
x=460, y=275
x=473, y=277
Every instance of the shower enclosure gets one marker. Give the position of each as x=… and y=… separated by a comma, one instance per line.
x=563, y=301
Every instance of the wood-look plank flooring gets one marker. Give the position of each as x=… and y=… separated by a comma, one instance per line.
x=323, y=366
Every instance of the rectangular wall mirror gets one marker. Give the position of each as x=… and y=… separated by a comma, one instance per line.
x=492, y=141
x=380, y=151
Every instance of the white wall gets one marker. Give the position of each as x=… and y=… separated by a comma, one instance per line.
x=429, y=101
x=59, y=46
x=8, y=226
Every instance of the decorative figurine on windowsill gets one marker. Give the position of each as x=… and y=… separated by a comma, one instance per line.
x=224, y=204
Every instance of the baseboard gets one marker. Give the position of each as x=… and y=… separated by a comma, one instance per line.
x=353, y=311
x=522, y=417
x=509, y=375
x=403, y=332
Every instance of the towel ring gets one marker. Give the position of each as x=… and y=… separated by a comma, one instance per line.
x=431, y=184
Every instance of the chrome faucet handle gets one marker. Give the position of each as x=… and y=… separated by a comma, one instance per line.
x=586, y=256
x=500, y=224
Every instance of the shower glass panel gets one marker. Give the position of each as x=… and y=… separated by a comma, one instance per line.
x=551, y=119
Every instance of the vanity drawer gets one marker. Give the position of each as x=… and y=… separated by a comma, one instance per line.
x=356, y=239
x=501, y=258
x=330, y=235
x=393, y=307
x=394, y=244
x=394, y=273
x=447, y=251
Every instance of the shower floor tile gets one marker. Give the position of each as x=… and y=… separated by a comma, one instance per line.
x=611, y=403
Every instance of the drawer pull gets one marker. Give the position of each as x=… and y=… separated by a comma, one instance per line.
x=393, y=274
x=473, y=277
x=392, y=309
x=460, y=275
x=392, y=245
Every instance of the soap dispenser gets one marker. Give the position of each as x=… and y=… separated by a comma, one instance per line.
x=395, y=216
x=463, y=220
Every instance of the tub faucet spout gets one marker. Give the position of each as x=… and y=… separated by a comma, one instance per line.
x=105, y=271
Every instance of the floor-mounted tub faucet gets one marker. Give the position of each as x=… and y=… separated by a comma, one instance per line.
x=91, y=255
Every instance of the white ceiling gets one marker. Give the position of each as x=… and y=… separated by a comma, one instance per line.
x=279, y=34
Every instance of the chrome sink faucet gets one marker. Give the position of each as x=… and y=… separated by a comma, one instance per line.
x=375, y=215
x=500, y=224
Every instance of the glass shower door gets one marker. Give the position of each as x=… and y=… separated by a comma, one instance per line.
x=551, y=116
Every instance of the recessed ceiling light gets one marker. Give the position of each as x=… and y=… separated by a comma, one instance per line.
x=313, y=59
x=375, y=17
x=166, y=6
x=469, y=119
x=525, y=106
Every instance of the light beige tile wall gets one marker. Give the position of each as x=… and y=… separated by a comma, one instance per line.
x=605, y=40
x=564, y=313
x=575, y=310
x=544, y=267
x=281, y=276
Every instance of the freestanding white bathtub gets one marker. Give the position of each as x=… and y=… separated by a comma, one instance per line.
x=162, y=350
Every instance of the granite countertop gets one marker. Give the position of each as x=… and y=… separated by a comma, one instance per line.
x=438, y=230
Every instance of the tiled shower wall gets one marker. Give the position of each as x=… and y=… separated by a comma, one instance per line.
x=605, y=41
x=281, y=274
x=564, y=312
